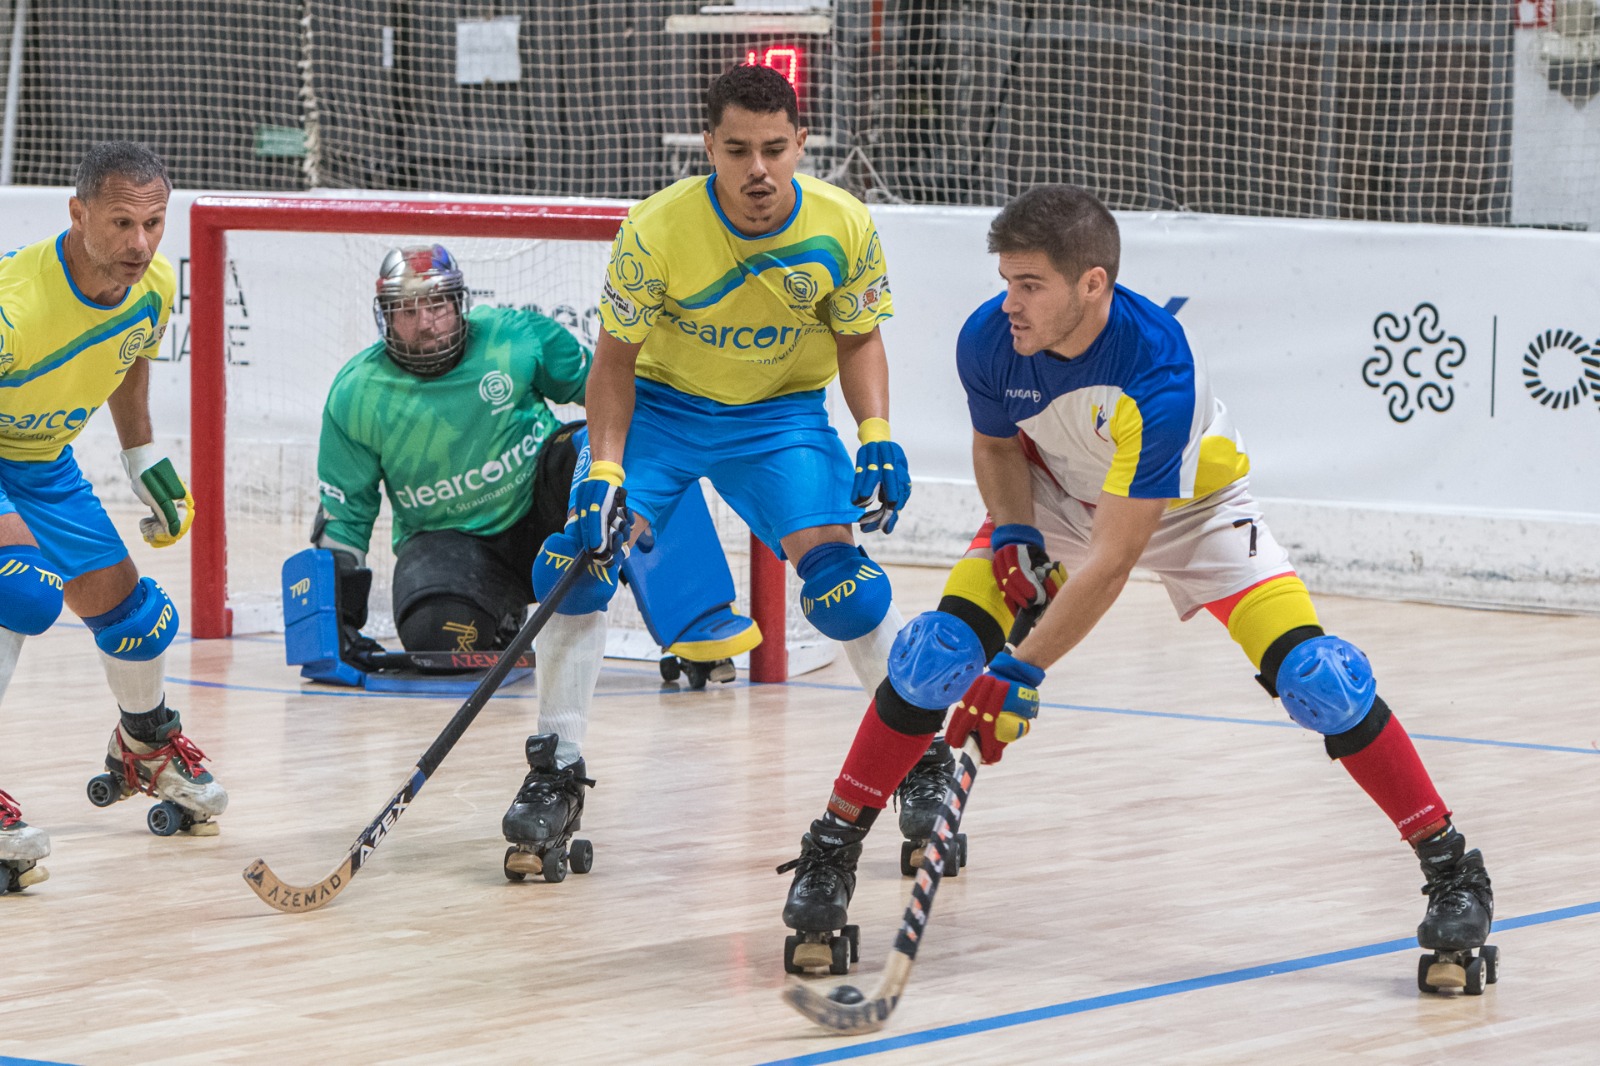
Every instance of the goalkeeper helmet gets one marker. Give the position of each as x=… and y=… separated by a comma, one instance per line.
x=421, y=308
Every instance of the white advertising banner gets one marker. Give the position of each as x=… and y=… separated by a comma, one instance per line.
x=1421, y=404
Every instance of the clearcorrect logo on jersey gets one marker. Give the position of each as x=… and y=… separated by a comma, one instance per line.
x=496, y=389
x=333, y=492
x=46, y=420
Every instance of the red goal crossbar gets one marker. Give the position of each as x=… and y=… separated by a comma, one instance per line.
x=212, y=217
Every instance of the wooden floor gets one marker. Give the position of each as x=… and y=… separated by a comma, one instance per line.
x=1165, y=871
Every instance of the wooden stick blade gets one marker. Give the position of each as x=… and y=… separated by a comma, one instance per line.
x=850, y=1019
x=295, y=899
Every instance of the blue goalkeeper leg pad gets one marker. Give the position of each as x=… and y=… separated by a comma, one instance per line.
x=311, y=619
x=685, y=590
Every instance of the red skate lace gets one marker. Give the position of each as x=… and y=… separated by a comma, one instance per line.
x=10, y=813
x=187, y=751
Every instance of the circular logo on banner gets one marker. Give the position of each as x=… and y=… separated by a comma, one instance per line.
x=1560, y=368
x=495, y=387
x=1415, y=362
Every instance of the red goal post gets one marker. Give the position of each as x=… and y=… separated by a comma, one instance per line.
x=210, y=220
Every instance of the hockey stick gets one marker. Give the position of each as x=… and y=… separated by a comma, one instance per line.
x=437, y=660
x=296, y=899
x=843, y=1009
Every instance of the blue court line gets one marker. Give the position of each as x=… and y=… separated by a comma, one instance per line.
x=342, y=693
x=6, y=1060
x=1137, y=995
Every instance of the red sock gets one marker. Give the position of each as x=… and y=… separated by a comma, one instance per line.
x=1393, y=775
x=878, y=761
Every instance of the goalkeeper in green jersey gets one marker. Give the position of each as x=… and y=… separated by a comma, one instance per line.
x=448, y=415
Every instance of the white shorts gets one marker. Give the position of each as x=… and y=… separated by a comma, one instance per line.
x=1204, y=552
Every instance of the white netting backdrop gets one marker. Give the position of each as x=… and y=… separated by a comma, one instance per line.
x=299, y=306
x=1451, y=111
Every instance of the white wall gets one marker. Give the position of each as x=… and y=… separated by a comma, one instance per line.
x=1481, y=494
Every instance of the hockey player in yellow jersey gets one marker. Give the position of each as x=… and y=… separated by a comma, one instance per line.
x=80, y=315
x=730, y=302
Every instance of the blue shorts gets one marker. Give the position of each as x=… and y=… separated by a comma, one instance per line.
x=62, y=513
x=778, y=463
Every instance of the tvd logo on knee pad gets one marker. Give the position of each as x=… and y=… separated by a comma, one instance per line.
x=845, y=594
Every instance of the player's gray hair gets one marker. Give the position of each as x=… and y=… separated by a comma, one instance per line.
x=1065, y=222
x=125, y=159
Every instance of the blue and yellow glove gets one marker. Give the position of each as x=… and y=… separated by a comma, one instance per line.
x=883, y=482
x=999, y=706
x=601, y=514
x=159, y=488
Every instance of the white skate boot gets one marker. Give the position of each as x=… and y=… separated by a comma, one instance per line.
x=168, y=768
x=21, y=847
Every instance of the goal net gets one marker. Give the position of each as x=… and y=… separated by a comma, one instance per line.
x=292, y=294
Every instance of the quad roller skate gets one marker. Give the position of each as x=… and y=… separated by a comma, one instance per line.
x=1460, y=910
x=21, y=847
x=824, y=881
x=541, y=820
x=920, y=798
x=697, y=673
x=168, y=768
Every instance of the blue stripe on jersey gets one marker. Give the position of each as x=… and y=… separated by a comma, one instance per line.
x=3, y=310
x=61, y=254
x=147, y=307
x=823, y=251
x=711, y=193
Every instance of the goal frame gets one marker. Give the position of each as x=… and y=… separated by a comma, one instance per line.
x=211, y=218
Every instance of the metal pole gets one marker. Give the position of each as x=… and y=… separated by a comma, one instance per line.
x=8, y=149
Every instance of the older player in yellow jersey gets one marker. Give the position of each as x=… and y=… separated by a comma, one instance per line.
x=730, y=302
x=80, y=315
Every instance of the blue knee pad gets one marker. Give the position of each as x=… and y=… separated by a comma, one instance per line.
x=1326, y=685
x=934, y=659
x=30, y=592
x=845, y=594
x=592, y=591
x=140, y=627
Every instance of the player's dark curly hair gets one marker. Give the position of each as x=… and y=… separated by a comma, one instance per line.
x=1065, y=222
x=125, y=159
x=759, y=89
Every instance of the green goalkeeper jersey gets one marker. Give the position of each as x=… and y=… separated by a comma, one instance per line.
x=453, y=452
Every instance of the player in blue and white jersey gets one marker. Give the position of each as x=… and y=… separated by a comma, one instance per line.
x=80, y=316
x=1097, y=446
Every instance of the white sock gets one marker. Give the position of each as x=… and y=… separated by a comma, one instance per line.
x=869, y=655
x=138, y=687
x=568, y=652
x=10, y=648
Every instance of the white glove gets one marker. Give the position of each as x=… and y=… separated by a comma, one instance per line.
x=160, y=488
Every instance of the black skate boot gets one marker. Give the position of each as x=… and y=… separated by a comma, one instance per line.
x=541, y=820
x=824, y=881
x=920, y=798
x=1460, y=911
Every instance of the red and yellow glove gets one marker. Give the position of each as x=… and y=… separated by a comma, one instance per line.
x=999, y=706
x=1026, y=576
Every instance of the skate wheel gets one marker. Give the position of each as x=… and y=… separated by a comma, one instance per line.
x=555, y=865
x=581, y=857
x=511, y=875
x=723, y=671
x=31, y=876
x=670, y=669
x=695, y=673
x=961, y=846
x=1491, y=963
x=104, y=790
x=852, y=933
x=910, y=856
x=165, y=818
x=840, y=963
x=1425, y=964
x=789, y=965
x=1474, y=985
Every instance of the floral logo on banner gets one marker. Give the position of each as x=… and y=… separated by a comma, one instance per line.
x=1414, y=363
x=1560, y=368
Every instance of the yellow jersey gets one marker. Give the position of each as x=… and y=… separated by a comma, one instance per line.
x=739, y=319
x=61, y=354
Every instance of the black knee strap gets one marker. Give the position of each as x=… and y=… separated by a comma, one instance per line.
x=980, y=621
x=903, y=717
x=1279, y=650
x=1365, y=732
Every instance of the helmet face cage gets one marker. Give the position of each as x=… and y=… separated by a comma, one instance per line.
x=414, y=277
